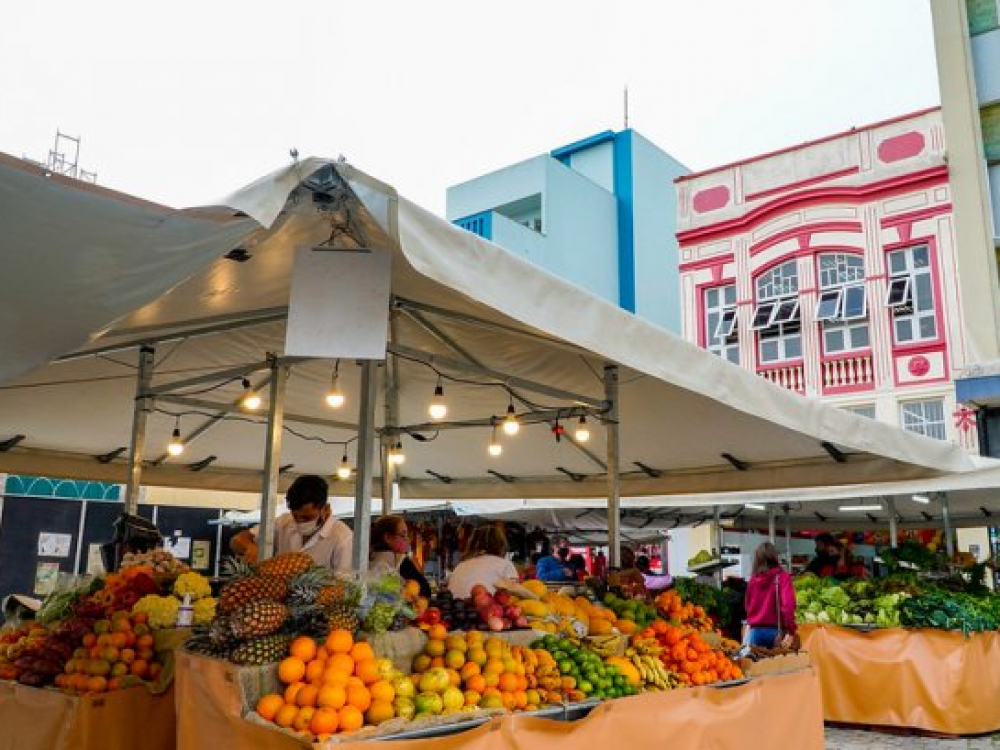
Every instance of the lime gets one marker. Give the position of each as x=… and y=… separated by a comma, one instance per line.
x=585, y=687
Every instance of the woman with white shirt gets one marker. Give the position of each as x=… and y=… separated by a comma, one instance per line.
x=485, y=563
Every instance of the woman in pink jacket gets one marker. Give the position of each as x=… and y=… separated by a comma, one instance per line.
x=768, y=585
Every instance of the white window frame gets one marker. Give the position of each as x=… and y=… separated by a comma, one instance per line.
x=720, y=340
x=913, y=417
x=868, y=411
x=912, y=309
x=776, y=316
x=844, y=277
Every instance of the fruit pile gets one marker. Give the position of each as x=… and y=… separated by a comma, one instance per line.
x=337, y=687
x=262, y=608
x=118, y=653
x=678, y=612
x=469, y=670
x=636, y=611
x=684, y=653
x=481, y=611
x=386, y=603
x=159, y=561
x=584, y=674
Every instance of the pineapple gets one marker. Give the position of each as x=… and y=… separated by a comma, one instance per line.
x=243, y=591
x=306, y=588
x=310, y=620
x=335, y=593
x=258, y=618
x=264, y=650
x=202, y=641
x=342, y=618
x=286, y=566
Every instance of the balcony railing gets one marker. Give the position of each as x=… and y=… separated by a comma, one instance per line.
x=791, y=377
x=481, y=224
x=848, y=372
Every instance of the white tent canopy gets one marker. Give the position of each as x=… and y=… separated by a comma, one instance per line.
x=489, y=322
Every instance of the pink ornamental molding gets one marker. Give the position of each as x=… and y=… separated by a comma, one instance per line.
x=901, y=147
x=711, y=199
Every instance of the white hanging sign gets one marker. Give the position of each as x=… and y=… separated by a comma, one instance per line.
x=339, y=304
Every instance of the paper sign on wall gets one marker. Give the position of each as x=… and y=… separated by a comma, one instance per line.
x=54, y=545
x=46, y=577
x=339, y=304
x=199, y=554
x=95, y=563
x=179, y=547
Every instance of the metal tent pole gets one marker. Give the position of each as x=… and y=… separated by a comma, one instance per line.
x=363, y=481
x=391, y=406
x=614, y=477
x=772, y=533
x=788, y=536
x=717, y=540
x=893, y=522
x=272, y=461
x=949, y=532
x=143, y=406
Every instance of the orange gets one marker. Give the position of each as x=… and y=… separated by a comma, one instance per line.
x=493, y=666
x=334, y=677
x=437, y=661
x=269, y=704
x=362, y=650
x=456, y=643
x=286, y=715
x=291, y=669
x=332, y=696
x=307, y=695
x=350, y=719
x=437, y=632
x=476, y=683
x=97, y=684
x=322, y=653
x=324, y=721
x=454, y=678
x=472, y=698
x=477, y=655
x=522, y=682
x=435, y=648
x=359, y=697
x=469, y=669
x=382, y=691
x=367, y=671
x=454, y=659
x=508, y=682
x=302, y=718
x=492, y=679
x=340, y=642
x=342, y=663
x=292, y=690
x=421, y=663
x=314, y=671
x=303, y=647
x=380, y=711
x=353, y=681
x=520, y=698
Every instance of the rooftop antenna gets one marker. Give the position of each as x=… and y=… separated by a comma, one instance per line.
x=626, y=107
x=62, y=163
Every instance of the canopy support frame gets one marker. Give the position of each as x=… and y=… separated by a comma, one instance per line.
x=144, y=403
x=614, y=475
x=272, y=460
x=363, y=481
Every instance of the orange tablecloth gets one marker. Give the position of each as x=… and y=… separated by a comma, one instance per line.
x=925, y=679
x=778, y=710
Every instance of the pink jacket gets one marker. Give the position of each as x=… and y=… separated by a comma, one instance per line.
x=762, y=610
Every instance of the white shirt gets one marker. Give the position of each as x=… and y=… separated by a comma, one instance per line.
x=485, y=569
x=330, y=547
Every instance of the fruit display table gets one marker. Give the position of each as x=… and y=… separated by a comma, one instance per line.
x=934, y=680
x=777, y=710
x=46, y=719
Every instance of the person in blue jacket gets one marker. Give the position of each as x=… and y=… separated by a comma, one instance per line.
x=553, y=568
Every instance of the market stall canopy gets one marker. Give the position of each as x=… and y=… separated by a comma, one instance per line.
x=972, y=500
x=210, y=288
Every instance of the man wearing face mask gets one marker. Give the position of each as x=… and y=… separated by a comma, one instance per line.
x=309, y=527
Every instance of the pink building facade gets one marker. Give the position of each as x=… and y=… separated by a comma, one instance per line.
x=829, y=268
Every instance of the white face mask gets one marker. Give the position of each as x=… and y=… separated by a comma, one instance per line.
x=308, y=528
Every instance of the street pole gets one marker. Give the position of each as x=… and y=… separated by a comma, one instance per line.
x=772, y=533
x=893, y=522
x=949, y=533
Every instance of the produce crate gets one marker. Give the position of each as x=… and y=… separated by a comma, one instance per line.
x=49, y=719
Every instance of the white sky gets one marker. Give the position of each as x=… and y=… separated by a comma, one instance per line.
x=187, y=102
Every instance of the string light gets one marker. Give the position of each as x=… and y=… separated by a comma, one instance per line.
x=334, y=396
x=438, y=409
x=495, y=448
x=510, y=424
x=396, y=455
x=344, y=470
x=250, y=398
x=176, y=447
x=582, y=433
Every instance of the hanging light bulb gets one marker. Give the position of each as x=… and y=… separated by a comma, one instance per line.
x=344, y=470
x=176, y=447
x=510, y=424
x=582, y=433
x=396, y=455
x=250, y=398
x=438, y=409
x=334, y=396
x=495, y=448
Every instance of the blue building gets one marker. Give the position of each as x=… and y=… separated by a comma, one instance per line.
x=600, y=212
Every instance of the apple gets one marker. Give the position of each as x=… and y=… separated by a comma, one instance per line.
x=502, y=598
x=495, y=623
x=431, y=616
x=521, y=622
x=478, y=589
x=513, y=612
x=507, y=623
x=482, y=599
